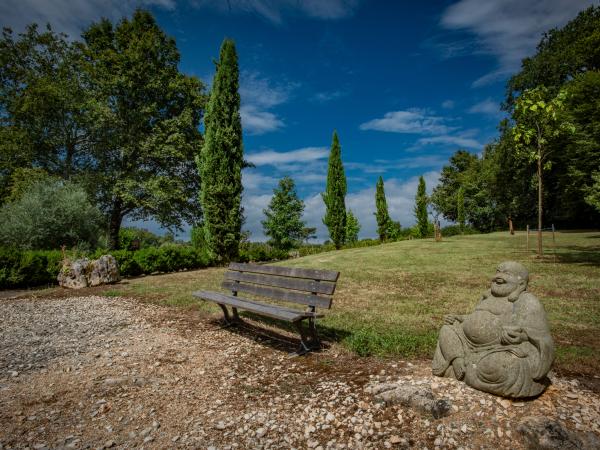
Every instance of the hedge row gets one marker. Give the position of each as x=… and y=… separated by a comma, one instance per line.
x=28, y=268
x=167, y=258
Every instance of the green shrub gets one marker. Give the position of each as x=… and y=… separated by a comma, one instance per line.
x=454, y=230
x=260, y=251
x=50, y=213
x=28, y=268
x=131, y=238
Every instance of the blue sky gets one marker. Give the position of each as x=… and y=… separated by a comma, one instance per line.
x=405, y=84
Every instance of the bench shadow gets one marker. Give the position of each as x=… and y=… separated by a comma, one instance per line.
x=261, y=329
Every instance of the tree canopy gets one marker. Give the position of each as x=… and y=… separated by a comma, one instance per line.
x=283, y=217
x=335, y=195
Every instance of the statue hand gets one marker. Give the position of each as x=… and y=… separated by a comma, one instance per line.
x=450, y=319
x=512, y=335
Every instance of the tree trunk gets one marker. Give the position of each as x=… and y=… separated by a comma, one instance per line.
x=539, y=233
x=116, y=217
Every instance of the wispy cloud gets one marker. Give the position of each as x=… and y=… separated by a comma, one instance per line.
x=487, y=106
x=507, y=29
x=70, y=16
x=324, y=97
x=414, y=121
x=457, y=141
x=275, y=10
x=274, y=158
x=259, y=95
x=448, y=104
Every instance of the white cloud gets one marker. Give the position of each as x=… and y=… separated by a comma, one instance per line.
x=69, y=16
x=414, y=120
x=509, y=29
x=458, y=141
x=256, y=121
x=275, y=10
x=273, y=158
x=448, y=104
x=259, y=95
x=324, y=97
x=487, y=106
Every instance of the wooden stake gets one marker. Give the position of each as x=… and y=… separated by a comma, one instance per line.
x=527, y=238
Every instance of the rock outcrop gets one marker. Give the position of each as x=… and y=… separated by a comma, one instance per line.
x=83, y=272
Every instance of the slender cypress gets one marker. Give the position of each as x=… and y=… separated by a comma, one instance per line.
x=335, y=195
x=421, y=201
x=382, y=215
x=222, y=160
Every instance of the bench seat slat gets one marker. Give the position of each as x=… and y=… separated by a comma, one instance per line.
x=297, y=284
x=293, y=272
x=279, y=294
x=276, y=312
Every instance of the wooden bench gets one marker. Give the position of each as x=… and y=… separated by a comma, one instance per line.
x=309, y=287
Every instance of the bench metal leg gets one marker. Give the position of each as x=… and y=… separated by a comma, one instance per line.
x=225, y=314
x=307, y=343
x=236, y=317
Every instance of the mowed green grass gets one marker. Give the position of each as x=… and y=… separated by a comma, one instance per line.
x=390, y=299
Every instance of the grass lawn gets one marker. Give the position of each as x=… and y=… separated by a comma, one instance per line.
x=391, y=298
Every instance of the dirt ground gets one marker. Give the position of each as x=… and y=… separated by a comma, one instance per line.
x=100, y=372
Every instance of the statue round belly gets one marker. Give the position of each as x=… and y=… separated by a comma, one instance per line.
x=482, y=327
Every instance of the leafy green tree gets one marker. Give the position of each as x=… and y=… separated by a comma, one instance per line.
x=394, y=231
x=538, y=120
x=283, y=223
x=593, y=192
x=335, y=195
x=561, y=55
x=421, y=202
x=145, y=124
x=381, y=215
x=222, y=159
x=453, y=176
x=460, y=204
x=45, y=104
x=352, y=227
x=50, y=213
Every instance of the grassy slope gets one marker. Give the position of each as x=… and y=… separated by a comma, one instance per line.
x=391, y=298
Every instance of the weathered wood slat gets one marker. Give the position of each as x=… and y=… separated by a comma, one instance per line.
x=293, y=272
x=278, y=294
x=324, y=287
x=273, y=311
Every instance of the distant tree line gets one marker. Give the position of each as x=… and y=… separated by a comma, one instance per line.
x=544, y=167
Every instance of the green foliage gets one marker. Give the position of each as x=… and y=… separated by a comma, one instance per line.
x=460, y=207
x=352, y=228
x=145, y=124
x=374, y=342
x=394, y=230
x=382, y=216
x=593, y=192
x=283, y=223
x=221, y=160
x=260, y=251
x=49, y=214
x=334, y=196
x=166, y=258
x=131, y=238
x=28, y=268
x=421, y=201
x=561, y=55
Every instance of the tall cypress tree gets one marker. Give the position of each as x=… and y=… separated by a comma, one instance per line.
x=421, y=201
x=221, y=160
x=335, y=195
x=382, y=215
x=283, y=223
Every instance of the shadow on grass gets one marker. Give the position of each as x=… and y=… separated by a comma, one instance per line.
x=589, y=256
x=362, y=341
x=264, y=333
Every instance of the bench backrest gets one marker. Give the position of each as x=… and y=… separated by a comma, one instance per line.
x=304, y=286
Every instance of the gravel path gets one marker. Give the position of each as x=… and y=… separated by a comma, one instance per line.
x=97, y=372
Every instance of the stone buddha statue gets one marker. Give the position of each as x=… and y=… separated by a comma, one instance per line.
x=503, y=347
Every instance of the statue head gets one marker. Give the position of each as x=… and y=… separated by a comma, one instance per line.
x=510, y=280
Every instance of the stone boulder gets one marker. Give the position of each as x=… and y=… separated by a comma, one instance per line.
x=419, y=398
x=542, y=433
x=84, y=272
